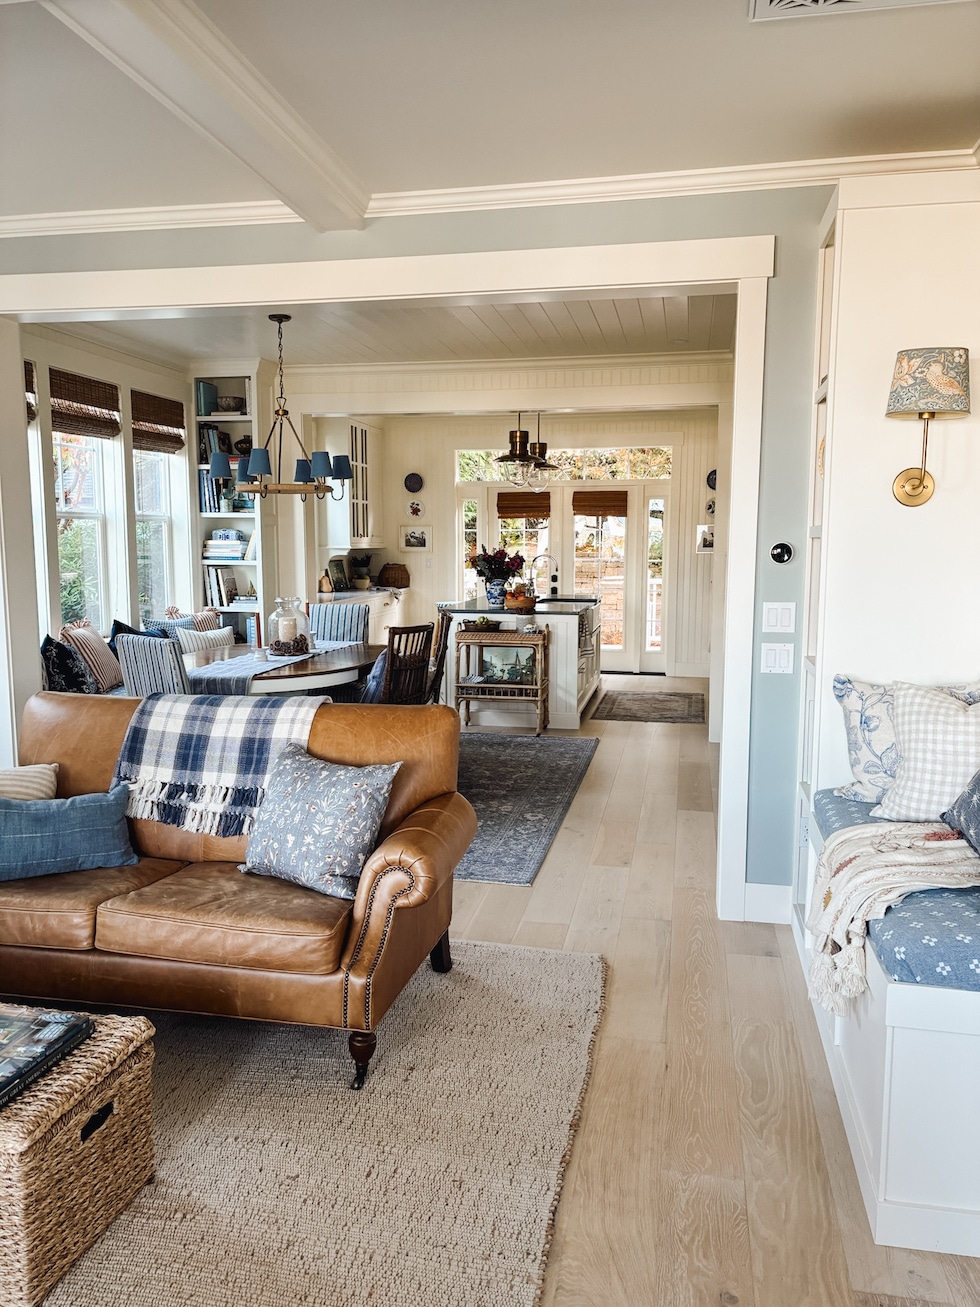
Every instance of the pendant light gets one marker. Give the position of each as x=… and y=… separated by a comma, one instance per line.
x=311, y=474
x=516, y=466
x=542, y=471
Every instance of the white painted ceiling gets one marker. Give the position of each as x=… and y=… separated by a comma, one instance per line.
x=324, y=107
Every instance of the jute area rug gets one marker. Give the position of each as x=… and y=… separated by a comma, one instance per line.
x=521, y=787
x=665, y=706
x=435, y=1186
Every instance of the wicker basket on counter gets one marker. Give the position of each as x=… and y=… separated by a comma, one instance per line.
x=395, y=575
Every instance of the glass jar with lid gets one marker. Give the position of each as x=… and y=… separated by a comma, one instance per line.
x=289, y=628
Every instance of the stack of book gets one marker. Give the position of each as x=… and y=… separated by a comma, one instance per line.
x=225, y=546
x=32, y=1040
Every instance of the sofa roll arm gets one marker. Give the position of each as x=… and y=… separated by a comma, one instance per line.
x=407, y=868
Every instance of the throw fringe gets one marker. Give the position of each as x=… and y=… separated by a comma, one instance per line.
x=204, y=809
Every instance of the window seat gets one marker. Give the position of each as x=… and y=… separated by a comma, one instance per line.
x=905, y=1061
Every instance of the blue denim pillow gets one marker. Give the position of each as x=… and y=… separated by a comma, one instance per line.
x=375, y=680
x=964, y=814
x=39, y=837
x=318, y=821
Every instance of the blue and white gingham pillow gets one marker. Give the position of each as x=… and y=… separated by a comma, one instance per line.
x=938, y=736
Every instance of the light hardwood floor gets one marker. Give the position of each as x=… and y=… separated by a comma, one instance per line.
x=711, y=1167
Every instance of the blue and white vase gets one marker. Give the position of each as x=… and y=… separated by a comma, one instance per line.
x=496, y=589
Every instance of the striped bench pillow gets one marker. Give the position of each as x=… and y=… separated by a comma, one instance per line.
x=36, y=781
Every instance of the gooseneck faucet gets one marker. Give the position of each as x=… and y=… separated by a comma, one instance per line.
x=548, y=558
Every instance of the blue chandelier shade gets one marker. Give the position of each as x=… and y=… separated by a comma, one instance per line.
x=320, y=465
x=259, y=463
x=342, y=470
x=303, y=475
x=220, y=467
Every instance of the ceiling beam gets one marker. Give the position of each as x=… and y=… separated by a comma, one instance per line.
x=172, y=50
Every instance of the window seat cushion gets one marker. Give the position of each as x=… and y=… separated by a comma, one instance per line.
x=931, y=938
x=832, y=812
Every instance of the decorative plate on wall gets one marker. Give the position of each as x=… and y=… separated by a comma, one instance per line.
x=415, y=508
x=413, y=483
x=712, y=479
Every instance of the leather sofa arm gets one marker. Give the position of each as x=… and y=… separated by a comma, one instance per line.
x=405, y=870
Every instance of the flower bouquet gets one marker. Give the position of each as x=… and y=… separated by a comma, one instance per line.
x=496, y=566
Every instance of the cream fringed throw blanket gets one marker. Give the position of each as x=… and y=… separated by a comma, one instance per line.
x=861, y=871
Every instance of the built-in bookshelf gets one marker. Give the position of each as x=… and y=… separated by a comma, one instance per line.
x=235, y=539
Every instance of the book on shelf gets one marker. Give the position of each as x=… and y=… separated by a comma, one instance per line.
x=249, y=554
x=207, y=398
x=227, y=585
x=34, y=1039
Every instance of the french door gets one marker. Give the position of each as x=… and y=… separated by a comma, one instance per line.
x=610, y=543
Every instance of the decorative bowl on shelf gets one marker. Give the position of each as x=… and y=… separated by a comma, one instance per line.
x=231, y=404
x=485, y=624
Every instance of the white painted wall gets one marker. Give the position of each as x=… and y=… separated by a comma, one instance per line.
x=899, y=597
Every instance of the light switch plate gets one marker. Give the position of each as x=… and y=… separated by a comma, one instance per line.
x=779, y=618
x=777, y=658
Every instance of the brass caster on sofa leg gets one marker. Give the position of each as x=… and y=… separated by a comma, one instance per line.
x=362, y=1044
x=440, y=957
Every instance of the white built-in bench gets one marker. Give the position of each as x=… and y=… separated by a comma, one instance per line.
x=905, y=1062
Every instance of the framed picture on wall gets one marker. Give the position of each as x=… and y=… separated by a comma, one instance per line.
x=415, y=538
x=706, y=539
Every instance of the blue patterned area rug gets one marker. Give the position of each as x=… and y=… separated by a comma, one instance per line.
x=521, y=787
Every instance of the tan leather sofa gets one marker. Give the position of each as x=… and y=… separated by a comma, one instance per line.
x=184, y=930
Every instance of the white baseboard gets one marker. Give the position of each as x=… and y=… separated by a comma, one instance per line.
x=769, y=903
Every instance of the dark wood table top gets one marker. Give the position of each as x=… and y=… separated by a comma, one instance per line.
x=349, y=658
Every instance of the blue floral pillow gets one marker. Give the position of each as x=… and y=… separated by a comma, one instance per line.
x=318, y=821
x=964, y=814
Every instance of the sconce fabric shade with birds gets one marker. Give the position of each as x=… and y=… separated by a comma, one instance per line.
x=928, y=383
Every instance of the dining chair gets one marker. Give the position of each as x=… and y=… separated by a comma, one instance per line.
x=401, y=673
x=151, y=665
x=340, y=621
x=438, y=664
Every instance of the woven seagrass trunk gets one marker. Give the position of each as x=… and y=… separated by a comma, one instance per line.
x=75, y=1149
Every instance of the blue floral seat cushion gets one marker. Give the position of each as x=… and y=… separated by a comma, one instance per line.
x=931, y=938
x=832, y=812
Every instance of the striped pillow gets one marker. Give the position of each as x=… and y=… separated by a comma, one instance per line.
x=38, y=781
x=208, y=619
x=193, y=641
x=102, y=662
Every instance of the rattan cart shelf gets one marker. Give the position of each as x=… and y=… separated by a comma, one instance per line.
x=475, y=676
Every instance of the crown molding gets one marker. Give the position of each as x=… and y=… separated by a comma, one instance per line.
x=657, y=185
x=176, y=54
x=596, y=190
x=162, y=218
x=691, y=359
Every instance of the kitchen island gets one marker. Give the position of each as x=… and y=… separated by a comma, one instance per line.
x=573, y=656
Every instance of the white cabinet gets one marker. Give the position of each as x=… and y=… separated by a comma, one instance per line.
x=242, y=556
x=356, y=520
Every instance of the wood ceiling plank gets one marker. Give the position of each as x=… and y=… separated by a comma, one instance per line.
x=677, y=320
x=724, y=311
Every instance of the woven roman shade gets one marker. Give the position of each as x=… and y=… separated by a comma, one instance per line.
x=82, y=406
x=158, y=423
x=523, y=504
x=30, y=388
x=599, y=503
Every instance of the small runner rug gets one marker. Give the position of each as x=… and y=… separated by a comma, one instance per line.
x=665, y=706
x=521, y=787
x=435, y=1186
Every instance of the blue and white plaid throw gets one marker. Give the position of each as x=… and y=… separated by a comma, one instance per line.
x=201, y=761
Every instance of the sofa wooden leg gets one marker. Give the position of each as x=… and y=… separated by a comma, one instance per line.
x=362, y=1044
x=440, y=957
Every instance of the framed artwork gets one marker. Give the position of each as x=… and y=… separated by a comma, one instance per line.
x=338, y=574
x=415, y=538
x=706, y=539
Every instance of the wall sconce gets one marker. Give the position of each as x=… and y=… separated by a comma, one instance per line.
x=928, y=383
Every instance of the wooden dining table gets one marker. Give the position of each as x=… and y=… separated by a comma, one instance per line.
x=317, y=672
